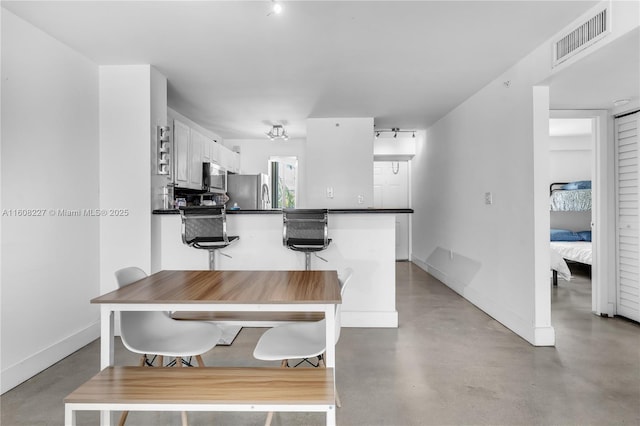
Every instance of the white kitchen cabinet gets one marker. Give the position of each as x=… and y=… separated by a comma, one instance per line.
x=181, y=138
x=229, y=160
x=224, y=157
x=188, y=155
x=215, y=152
x=192, y=148
x=206, y=150
x=196, y=146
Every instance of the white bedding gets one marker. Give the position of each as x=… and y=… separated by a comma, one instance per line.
x=558, y=264
x=577, y=251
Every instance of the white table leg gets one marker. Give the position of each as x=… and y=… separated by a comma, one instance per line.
x=106, y=337
x=331, y=417
x=107, y=351
x=330, y=322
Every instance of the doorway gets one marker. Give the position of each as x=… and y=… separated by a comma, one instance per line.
x=283, y=179
x=391, y=191
x=601, y=215
x=571, y=142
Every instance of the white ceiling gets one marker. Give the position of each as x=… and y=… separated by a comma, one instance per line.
x=236, y=70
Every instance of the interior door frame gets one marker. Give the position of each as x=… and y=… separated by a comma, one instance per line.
x=603, y=287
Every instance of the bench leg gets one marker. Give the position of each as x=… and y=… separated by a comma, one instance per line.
x=69, y=416
x=331, y=417
x=338, y=402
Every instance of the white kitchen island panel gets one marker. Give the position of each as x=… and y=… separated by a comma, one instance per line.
x=362, y=241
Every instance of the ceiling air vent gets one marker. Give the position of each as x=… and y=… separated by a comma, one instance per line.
x=581, y=37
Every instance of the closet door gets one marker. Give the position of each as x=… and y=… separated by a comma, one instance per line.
x=628, y=223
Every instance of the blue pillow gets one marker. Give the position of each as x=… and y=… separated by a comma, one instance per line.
x=564, y=235
x=580, y=184
x=584, y=235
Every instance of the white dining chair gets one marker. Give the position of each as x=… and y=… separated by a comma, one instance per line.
x=300, y=340
x=155, y=333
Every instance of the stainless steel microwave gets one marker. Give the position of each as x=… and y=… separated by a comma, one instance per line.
x=214, y=178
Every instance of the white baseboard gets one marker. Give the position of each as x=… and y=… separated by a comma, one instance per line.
x=366, y=319
x=537, y=336
x=544, y=336
x=14, y=375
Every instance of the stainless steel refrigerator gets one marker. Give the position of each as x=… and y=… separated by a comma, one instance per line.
x=248, y=192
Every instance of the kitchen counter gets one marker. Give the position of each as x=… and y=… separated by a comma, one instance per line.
x=278, y=211
x=361, y=239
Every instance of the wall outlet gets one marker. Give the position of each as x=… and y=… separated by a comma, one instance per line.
x=488, y=198
x=329, y=192
x=360, y=199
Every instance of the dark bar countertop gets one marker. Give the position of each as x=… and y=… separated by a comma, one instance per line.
x=279, y=211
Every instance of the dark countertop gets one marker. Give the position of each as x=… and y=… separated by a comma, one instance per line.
x=278, y=211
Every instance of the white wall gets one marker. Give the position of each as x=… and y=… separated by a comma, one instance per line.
x=49, y=154
x=570, y=158
x=341, y=150
x=159, y=117
x=255, y=154
x=496, y=141
x=158, y=113
x=342, y=158
x=127, y=128
x=484, y=145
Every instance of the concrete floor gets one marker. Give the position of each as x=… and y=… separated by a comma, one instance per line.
x=447, y=364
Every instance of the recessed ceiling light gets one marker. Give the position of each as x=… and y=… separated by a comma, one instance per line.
x=277, y=7
x=621, y=102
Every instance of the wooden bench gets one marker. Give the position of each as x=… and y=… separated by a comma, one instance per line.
x=205, y=389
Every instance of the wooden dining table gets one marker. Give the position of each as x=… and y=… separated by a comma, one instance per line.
x=226, y=291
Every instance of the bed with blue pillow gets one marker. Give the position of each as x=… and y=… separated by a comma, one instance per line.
x=567, y=245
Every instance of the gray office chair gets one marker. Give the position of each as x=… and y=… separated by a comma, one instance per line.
x=206, y=228
x=307, y=231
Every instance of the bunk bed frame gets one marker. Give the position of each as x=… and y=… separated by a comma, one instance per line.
x=582, y=251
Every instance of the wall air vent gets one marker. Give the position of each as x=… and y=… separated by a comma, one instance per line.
x=584, y=35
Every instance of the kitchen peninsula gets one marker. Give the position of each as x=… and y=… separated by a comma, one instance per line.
x=363, y=239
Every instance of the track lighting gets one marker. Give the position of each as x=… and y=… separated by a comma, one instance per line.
x=395, y=131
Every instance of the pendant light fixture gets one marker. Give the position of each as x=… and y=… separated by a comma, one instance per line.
x=277, y=132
